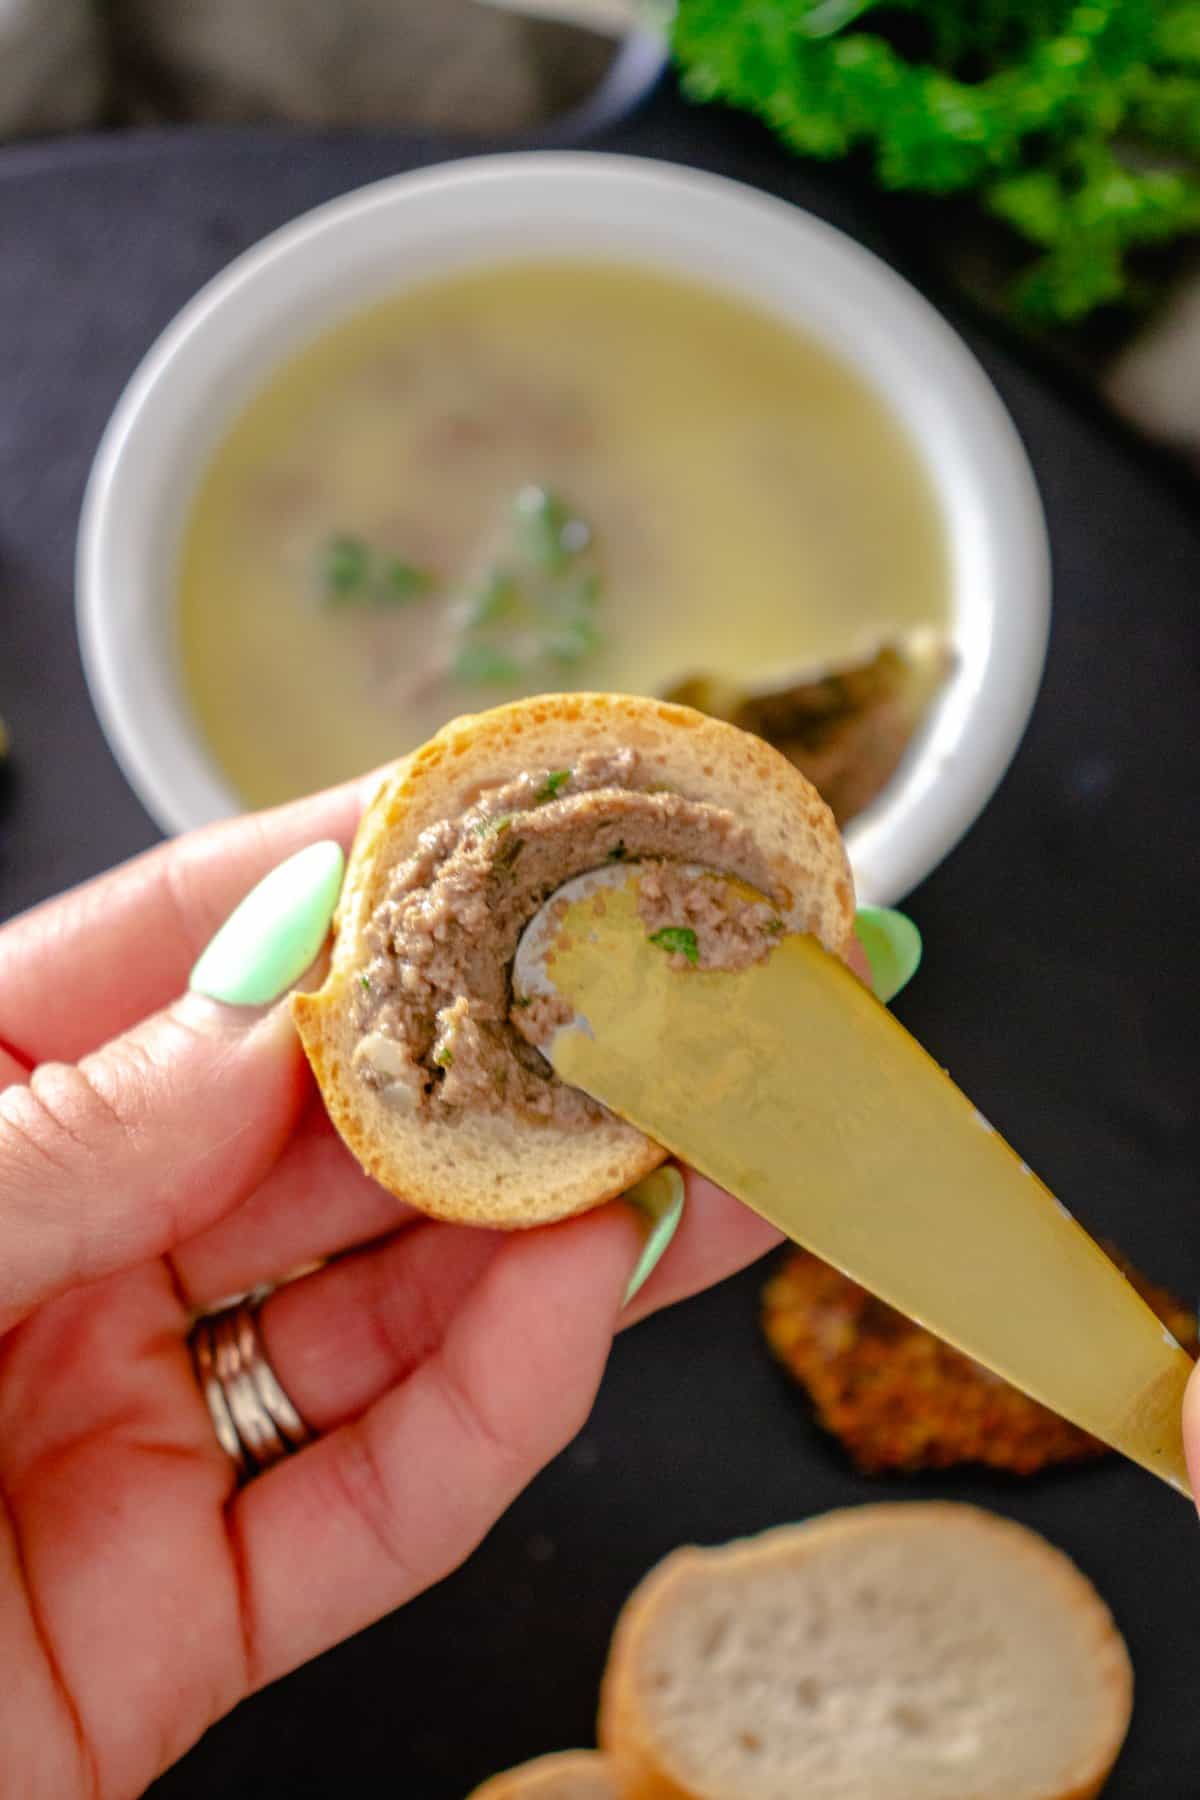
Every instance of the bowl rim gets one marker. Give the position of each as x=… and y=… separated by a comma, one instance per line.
x=989, y=497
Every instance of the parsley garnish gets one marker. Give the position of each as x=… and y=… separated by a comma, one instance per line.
x=493, y=827
x=1074, y=123
x=444, y=1058
x=678, y=940
x=498, y=598
x=557, y=778
x=366, y=982
x=545, y=528
x=535, y=607
x=346, y=568
x=351, y=572
x=399, y=581
x=482, y=662
x=571, y=641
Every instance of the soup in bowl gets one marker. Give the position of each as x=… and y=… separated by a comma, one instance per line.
x=536, y=477
x=535, y=424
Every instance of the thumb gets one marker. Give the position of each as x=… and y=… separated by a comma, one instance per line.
x=113, y=1160
x=1191, y=1430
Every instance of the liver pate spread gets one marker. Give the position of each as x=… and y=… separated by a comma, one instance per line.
x=436, y=1017
x=704, y=921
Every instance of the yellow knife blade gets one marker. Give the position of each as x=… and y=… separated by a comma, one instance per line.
x=791, y=1086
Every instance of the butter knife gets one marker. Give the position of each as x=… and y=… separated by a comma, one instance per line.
x=791, y=1086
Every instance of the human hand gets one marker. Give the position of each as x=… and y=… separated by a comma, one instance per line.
x=163, y=1154
x=1191, y=1431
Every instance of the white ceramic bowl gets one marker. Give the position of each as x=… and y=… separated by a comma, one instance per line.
x=340, y=258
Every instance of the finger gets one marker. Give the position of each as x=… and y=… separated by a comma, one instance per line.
x=121, y=1156
x=78, y=970
x=12, y=1067
x=856, y=959
x=314, y=1203
x=340, y=1338
x=716, y=1237
x=149, y=920
x=344, y=1336
x=115, y=1486
x=1191, y=1430
x=383, y=1507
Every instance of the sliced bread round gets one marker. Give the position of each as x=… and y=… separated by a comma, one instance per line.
x=497, y=1166
x=918, y=1651
x=569, y=1775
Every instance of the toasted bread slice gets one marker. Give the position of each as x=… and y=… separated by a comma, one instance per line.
x=570, y=1775
x=499, y=1167
x=919, y=1651
x=897, y=1397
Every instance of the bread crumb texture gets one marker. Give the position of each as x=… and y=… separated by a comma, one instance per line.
x=920, y=1651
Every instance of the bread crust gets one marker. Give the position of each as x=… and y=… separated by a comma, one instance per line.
x=565, y=1775
x=641, y=1766
x=494, y=1168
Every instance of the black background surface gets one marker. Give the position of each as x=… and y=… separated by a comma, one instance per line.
x=1058, y=986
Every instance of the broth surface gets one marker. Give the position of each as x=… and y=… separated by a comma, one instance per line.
x=537, y=477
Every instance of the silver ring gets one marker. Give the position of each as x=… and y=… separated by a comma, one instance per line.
x=255, y=1422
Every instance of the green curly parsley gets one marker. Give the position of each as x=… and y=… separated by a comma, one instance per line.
x=556, y=779
x=1076, y=122
x=352, y=571
x=537, y=608
x=678, y=940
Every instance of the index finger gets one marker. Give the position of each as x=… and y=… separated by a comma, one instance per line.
x=78, y=970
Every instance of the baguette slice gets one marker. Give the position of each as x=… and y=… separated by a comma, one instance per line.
x=498, y=1168
x=569, y=1775
x=919, y=1651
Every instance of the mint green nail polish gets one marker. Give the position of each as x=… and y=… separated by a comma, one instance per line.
x=893, y=948
x=659, y=1198
x=269, y=940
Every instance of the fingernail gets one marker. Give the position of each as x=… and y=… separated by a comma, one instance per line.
x=658, y=1199
x=269, y=940
x=892, y=945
